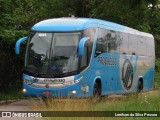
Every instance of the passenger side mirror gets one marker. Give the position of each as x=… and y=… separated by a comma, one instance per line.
x=18, y=44
x=81, y=45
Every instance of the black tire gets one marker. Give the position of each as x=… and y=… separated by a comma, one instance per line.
x=96, y=90
x=140, y=87
x=96, y=93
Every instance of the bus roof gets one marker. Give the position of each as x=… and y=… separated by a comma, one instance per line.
x=78, y=24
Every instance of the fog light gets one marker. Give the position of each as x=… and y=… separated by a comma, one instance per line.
x=24, y=90
x=74, y=91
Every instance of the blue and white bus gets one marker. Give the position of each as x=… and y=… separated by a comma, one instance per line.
x=85, y=57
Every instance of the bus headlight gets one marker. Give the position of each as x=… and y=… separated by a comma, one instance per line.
x=24, y=90
x=74, y=92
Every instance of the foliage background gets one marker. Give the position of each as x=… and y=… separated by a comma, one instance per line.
x=18, y=16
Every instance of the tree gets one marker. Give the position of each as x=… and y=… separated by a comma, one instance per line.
x=18, y=16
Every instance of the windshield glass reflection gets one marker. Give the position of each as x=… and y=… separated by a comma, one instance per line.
x=52, y=53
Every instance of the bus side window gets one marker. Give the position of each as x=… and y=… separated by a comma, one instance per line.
x=123, y=41
x=150, y=46
x=112, y=41
x=133, y=44
x=84, y=58
x=101, y=46
x=142, y=46
x=101, y=43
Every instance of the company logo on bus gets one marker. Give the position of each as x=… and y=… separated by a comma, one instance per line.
x=54, y=80
x=127, y=74
x=49, y=80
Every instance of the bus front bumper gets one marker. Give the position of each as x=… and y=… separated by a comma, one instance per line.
x=67, y=91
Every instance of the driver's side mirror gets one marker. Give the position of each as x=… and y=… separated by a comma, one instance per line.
x=18, y=44
x=81, y=45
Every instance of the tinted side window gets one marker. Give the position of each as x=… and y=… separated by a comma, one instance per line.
x=133, y=44
x=142, y=45
x=150, y=46
x=123, y=38
x=107, y=41
x=101, y=43
x=84, y=58
x=91, y=32
x=113, y=42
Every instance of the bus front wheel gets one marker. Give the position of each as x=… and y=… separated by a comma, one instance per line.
x=140, y=86
x=96, y=93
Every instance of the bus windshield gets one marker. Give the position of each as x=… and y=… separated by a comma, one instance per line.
x=52, y=53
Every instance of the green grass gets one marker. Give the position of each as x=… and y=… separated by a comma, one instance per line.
x=11, y=96
x=157, y=79
x=149, y=101
x=157, y=73
x=141, y=102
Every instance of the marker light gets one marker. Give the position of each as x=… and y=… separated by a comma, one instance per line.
x=24, y=90
x=74, y=91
